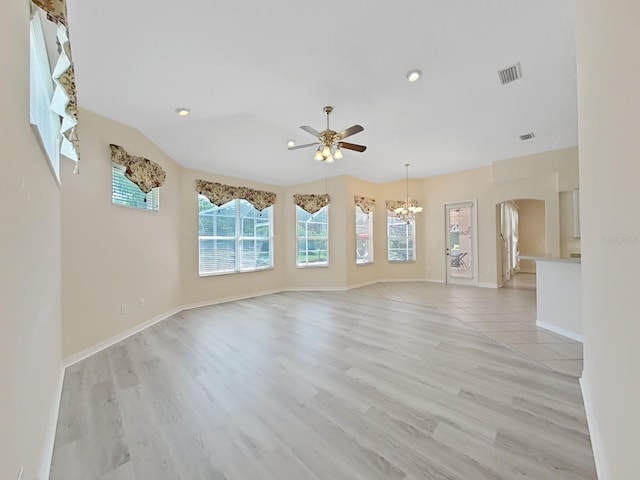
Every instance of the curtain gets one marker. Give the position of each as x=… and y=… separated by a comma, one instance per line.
x=219, y=194
x=509, y=231
x=311, y=203
x=366, y=204
x=64, y=102
x=143, y=172
x=393, y=204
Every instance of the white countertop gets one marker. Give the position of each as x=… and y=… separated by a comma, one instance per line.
x=544, y=258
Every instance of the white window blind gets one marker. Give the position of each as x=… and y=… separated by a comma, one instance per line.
x=313, y=237
x=125, y=192
x=234, y=237
x=46, y=123
x=364, y=236
x=401, y=237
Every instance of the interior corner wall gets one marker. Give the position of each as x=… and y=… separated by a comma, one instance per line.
x=364, y=274
x=531, y=232
x=478, y=185
x=608, y=105
x=30, y=344
x=114, y=255
x=333, y=276
x=198, y=290
x=399, y=271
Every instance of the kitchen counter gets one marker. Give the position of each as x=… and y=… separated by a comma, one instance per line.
x=559, y=295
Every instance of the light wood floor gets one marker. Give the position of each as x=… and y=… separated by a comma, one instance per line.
x=318, y=385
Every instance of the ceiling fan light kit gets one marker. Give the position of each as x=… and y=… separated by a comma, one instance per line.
x=409, y=211
x=330, y=142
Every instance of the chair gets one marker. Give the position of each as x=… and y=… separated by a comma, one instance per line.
x=457, y=261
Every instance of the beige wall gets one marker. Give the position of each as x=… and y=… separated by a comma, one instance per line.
x=30, y=317
x=479, y=185
x=609, y=101
x=114, y=255
x=200, y=290
x=531, y=232
x=568, y=242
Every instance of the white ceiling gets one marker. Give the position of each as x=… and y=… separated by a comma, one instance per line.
x=253, y=71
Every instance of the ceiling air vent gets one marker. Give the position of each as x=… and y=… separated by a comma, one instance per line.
x=510, y=74
x=527, y=136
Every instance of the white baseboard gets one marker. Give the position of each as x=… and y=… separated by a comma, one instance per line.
x=314, y=289
x=77, y=357
x=597, y=446
x=435, y=280
x=401, y=280
x=234, y=298
x=360, y=285
x=488, y=284
x=560, y=331
x=50, y=437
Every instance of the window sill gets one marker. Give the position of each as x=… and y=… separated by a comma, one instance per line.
x=234, y=272
x=323, y=265
x=401, y=261
x=363, y=264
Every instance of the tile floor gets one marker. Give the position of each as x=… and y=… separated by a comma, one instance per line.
x=508, y=315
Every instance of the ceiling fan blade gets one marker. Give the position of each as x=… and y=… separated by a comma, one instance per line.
x=296, y=147
x=351, y=131
x=353, y=146
x=310, y=130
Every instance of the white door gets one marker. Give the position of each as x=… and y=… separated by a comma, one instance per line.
x=460, y=242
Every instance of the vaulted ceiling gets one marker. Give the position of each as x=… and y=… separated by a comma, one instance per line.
x=252, y=72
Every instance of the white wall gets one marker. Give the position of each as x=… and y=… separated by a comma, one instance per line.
x=29, y=267
x=609, y=102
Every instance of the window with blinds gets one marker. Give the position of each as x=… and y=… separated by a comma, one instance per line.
x=401, y=237
x=313, y=237
x=364, y=237
x=234, y=237
x=125, y=192
x=45, y=122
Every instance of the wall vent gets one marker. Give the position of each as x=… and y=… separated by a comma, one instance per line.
x=510, y=74
x=527, y=136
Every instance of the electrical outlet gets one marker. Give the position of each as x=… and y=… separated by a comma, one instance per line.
x=141, y=302
x=20, y=473
x=123, y=309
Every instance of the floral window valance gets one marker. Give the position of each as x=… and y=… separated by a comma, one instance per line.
x=64, y=102
x=393, y=204
x=144, y=173
x=366, y=204
x=219, y=194
x=311, y=203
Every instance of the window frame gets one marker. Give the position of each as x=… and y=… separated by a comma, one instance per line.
x=307, y=238
x=152, y=199
x=45, y=122
x=238, y=238
x=409, y=237
x=359, y=213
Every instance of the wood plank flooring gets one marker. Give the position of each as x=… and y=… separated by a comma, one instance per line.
x=318, y=385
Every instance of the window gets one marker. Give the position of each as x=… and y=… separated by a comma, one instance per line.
x=234, y=237
x=125, y=192
x=313, y=237
x=402, y=239
x=364, y=236
x=46, y=122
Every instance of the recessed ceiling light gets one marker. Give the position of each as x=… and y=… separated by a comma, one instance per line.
x=291, y=143
x=413, y=75
x=183, y=112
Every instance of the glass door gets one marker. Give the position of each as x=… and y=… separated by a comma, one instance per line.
x=460, y=252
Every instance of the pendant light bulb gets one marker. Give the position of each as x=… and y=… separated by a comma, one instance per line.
x=338, y=154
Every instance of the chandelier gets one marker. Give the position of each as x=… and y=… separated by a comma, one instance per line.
x=409, y=210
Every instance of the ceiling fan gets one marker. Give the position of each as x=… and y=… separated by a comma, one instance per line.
x=330, y=142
